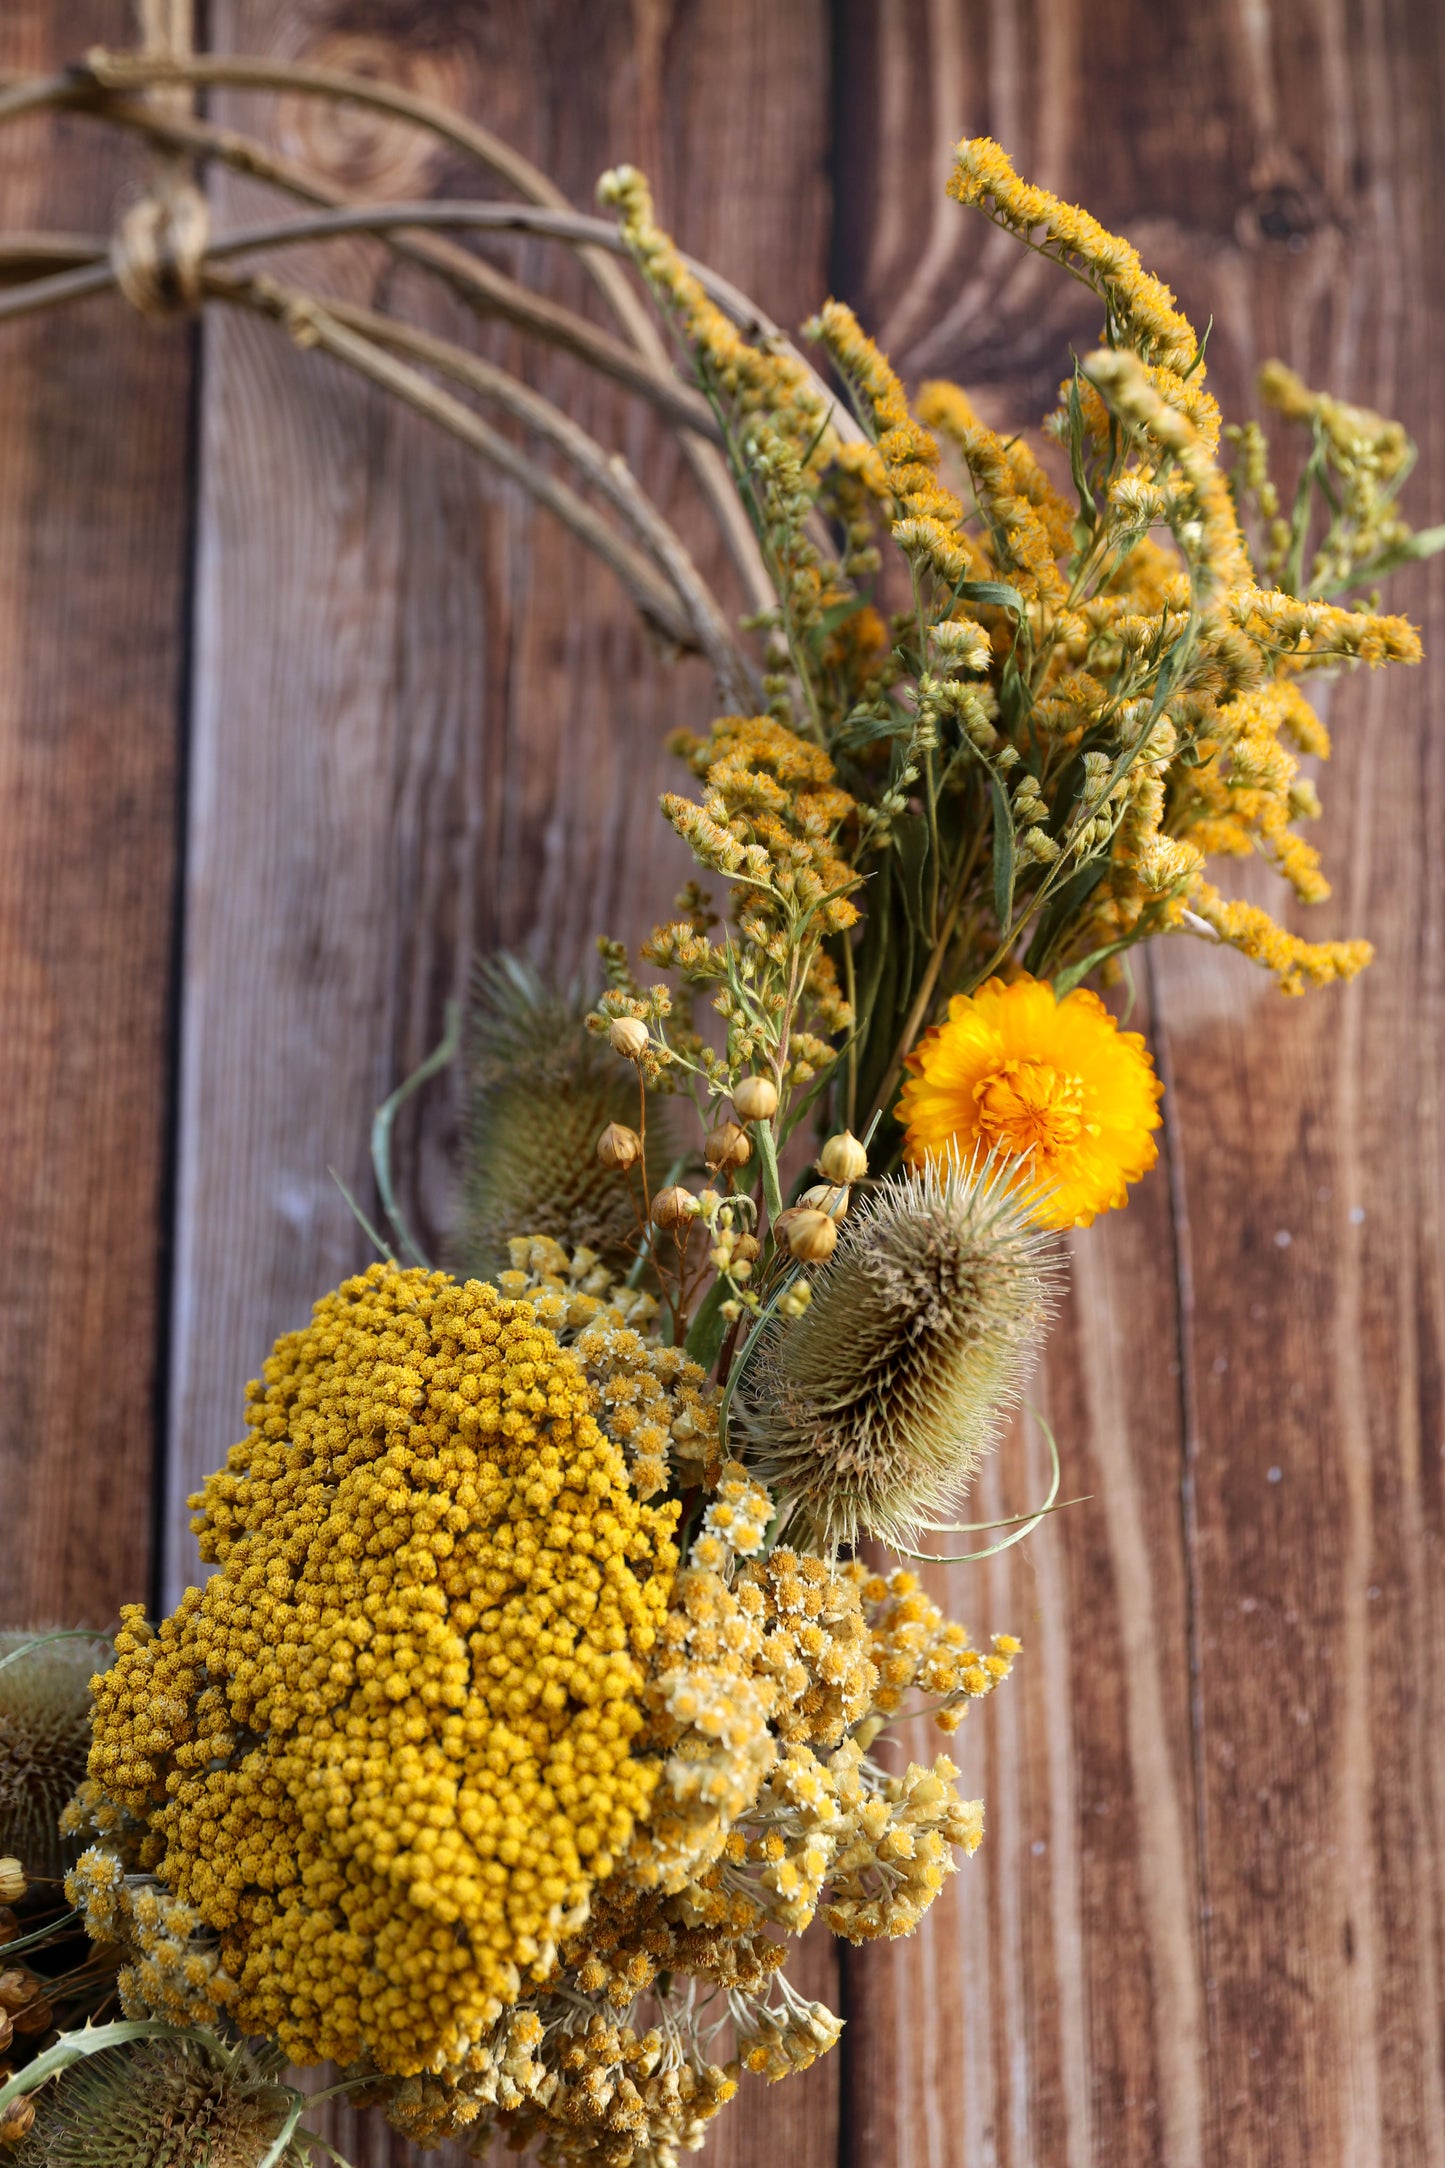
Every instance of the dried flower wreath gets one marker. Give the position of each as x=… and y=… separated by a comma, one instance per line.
x=539, y=1695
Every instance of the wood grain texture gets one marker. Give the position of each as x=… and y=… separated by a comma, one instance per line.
x=1221, y=1941
x=93, y=510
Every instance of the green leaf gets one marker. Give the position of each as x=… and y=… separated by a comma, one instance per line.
x=910, y=854
x=1076, y=451
x=1066, y=980
x=706, y=1332
x=994, y=594
x=1014, y=698
x=1076, y=890
x=1003, y=855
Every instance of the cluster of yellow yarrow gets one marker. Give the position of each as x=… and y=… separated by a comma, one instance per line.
x=450, y=1764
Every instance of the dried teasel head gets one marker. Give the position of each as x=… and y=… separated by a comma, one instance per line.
x=179, y=2099
x=870, y=1410
x=541, y=1091
x=44, y=1741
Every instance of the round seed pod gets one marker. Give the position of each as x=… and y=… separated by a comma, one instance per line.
x=674, y=1206
x=627, y=1035
x=747, y=1249
x=812, y=1236
x=34, y=2017
x=15, y=2121
x=619, y=1147
x=756, y=1099
x=17, y=1987
x=843, y=1159
x=727, y=1146
x=825, y=1197
x=7, y=2031
x=13, y=1882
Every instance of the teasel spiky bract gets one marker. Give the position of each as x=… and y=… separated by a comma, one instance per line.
x=540, y=1091
x=867, y=1414
x=44, y=1739
x=166, y=2103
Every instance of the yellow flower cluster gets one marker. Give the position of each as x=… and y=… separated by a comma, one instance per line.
x=1141, y=311
x=653, y=1401
x=762, y=1699
x=1368, y=457
x=735, y=1524
x=1029, y=525
x=917, y=1650
x=900, y=1853
x=754, y=380
x=388, y=1750
x=175, y=1972
x=1296, y=964
x=590, y=2087
x=770, y=821
x=927, y=516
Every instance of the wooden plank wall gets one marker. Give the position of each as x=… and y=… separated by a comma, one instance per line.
x=1206, y=1924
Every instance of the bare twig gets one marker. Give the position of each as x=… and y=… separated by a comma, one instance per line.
x=608, y=473
x=122, y=71
x=311, y=323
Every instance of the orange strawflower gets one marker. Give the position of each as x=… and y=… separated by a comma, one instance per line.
x=1056, y=1083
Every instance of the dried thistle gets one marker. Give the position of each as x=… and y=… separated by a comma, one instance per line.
x=44, y=1740
x=163, y=2104
x=540, y=1091
x=869, y=1412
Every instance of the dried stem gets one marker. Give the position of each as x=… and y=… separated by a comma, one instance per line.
x=487, y=291
x=311, y=323
x=125, y=71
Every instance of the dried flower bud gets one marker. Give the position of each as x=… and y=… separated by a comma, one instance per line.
x=7, y=2033
x=756, y=1098
x=673, y=1207
x=812, y=1236
x=825, y=1197
x=843, y=1159
x=618, y=1146
x=727, y=1146
x=17, y=1987
x=627, y=1035
x=747, y=1248
x=16, y=2120
x=13, y=1884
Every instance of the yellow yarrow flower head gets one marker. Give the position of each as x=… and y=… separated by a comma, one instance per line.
x=389, y=1749
x=1016, y=1071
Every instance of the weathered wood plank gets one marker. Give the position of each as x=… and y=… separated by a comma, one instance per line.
x=93, y=510
x=425, y=721
x=1261, y=1982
